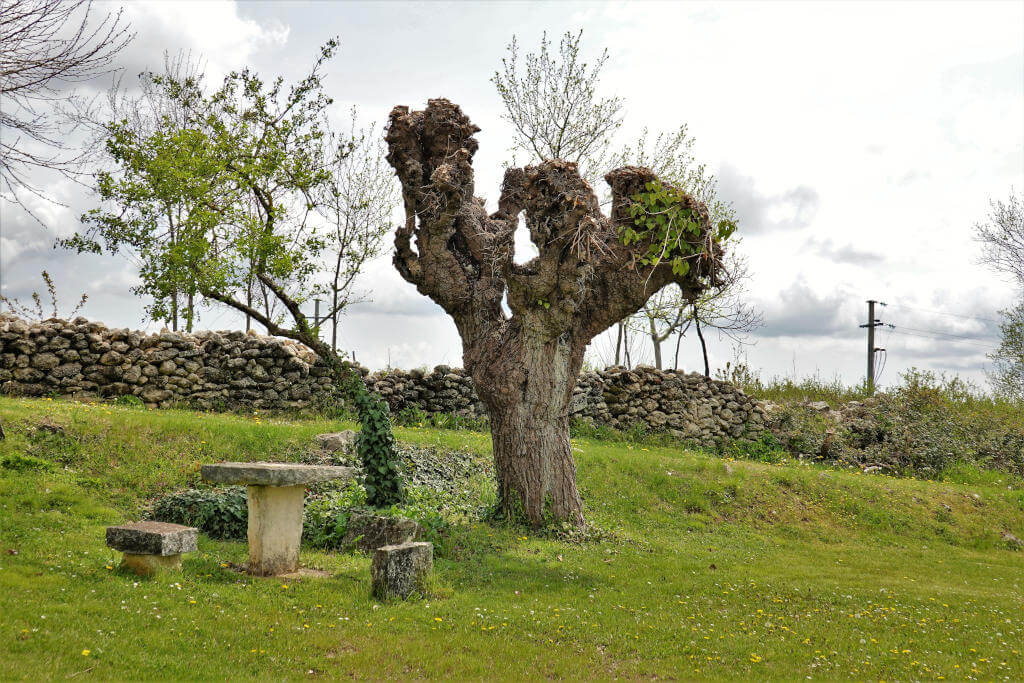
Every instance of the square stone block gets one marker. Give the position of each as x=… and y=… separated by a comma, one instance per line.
x=152, y=538
x=400, y=570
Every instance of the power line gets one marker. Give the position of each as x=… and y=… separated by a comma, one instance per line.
x=934, y=338
x=938, y=332
x=950, y=315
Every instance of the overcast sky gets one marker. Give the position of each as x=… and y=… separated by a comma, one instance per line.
x=858, y=142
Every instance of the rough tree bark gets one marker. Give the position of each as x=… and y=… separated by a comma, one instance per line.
x=524, y=365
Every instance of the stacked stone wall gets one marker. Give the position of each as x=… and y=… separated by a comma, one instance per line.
x=688, y=405
x=232, y=370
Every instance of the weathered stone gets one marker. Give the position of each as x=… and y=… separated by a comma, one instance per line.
x=273, y=473
x=337, y=442
x=154, y=394
x=401, y=570
x=152, y=538
x=45, y=361
x=275, y=529
x=147, y=565
x=111, y=358
x=369, y=531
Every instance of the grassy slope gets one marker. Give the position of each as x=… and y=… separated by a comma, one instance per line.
x=715, y=569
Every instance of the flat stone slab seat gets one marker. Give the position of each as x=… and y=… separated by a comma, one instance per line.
x=149, y=547
x=276, y=492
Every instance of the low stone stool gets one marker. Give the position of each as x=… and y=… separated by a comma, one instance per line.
x=368, y=531
x=149, y=547
x=276, y=492
x=399, y=570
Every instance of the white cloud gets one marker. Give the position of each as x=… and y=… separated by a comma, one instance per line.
x=860, y=143
x=212, y=28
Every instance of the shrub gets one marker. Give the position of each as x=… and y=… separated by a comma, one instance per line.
x=799, y=429
x=325, y=518
x=219, y=513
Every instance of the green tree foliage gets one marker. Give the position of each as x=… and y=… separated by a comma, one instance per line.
x=1007, y=371
x=249, y=171
x=552, y=103
x=1002, y=241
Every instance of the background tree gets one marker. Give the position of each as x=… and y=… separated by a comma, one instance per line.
x=116, y=125
x=590, y=272
x=357, y=205
x=662, y=316
x=1007, y=372
x=46, y=46
x=553, y=104
x=1002, y=237
x=1002, y=242
x=250, y=167
x=722, y=308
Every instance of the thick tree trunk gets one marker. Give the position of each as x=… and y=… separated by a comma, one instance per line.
x=534, y=464
x=527, y=393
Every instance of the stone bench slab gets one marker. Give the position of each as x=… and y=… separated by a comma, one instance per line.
x=152, y=538
x=273, y=473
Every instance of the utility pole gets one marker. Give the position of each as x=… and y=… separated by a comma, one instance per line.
x=872, y=323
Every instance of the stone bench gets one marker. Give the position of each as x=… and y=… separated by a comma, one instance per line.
x=276, y=492
x=149, y=547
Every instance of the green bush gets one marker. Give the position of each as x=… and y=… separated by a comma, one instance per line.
x=129, y=401
x=219, y=513
x=325, y=518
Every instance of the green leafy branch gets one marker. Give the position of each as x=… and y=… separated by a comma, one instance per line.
x=663, y=221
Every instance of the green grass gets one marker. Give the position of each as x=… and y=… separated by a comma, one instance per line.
x=709, y=568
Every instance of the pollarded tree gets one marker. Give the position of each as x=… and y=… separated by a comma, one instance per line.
x=590, y=272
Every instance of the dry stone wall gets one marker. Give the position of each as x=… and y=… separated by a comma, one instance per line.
x=230, y=370
x=209, y=370
x=688, y=405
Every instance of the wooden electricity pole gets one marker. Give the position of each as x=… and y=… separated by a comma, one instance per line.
x=872, y=323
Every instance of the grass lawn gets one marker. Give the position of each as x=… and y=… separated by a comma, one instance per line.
x=710, y=569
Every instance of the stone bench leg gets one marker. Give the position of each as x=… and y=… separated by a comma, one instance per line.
x=147, y=565
x=275, y=529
